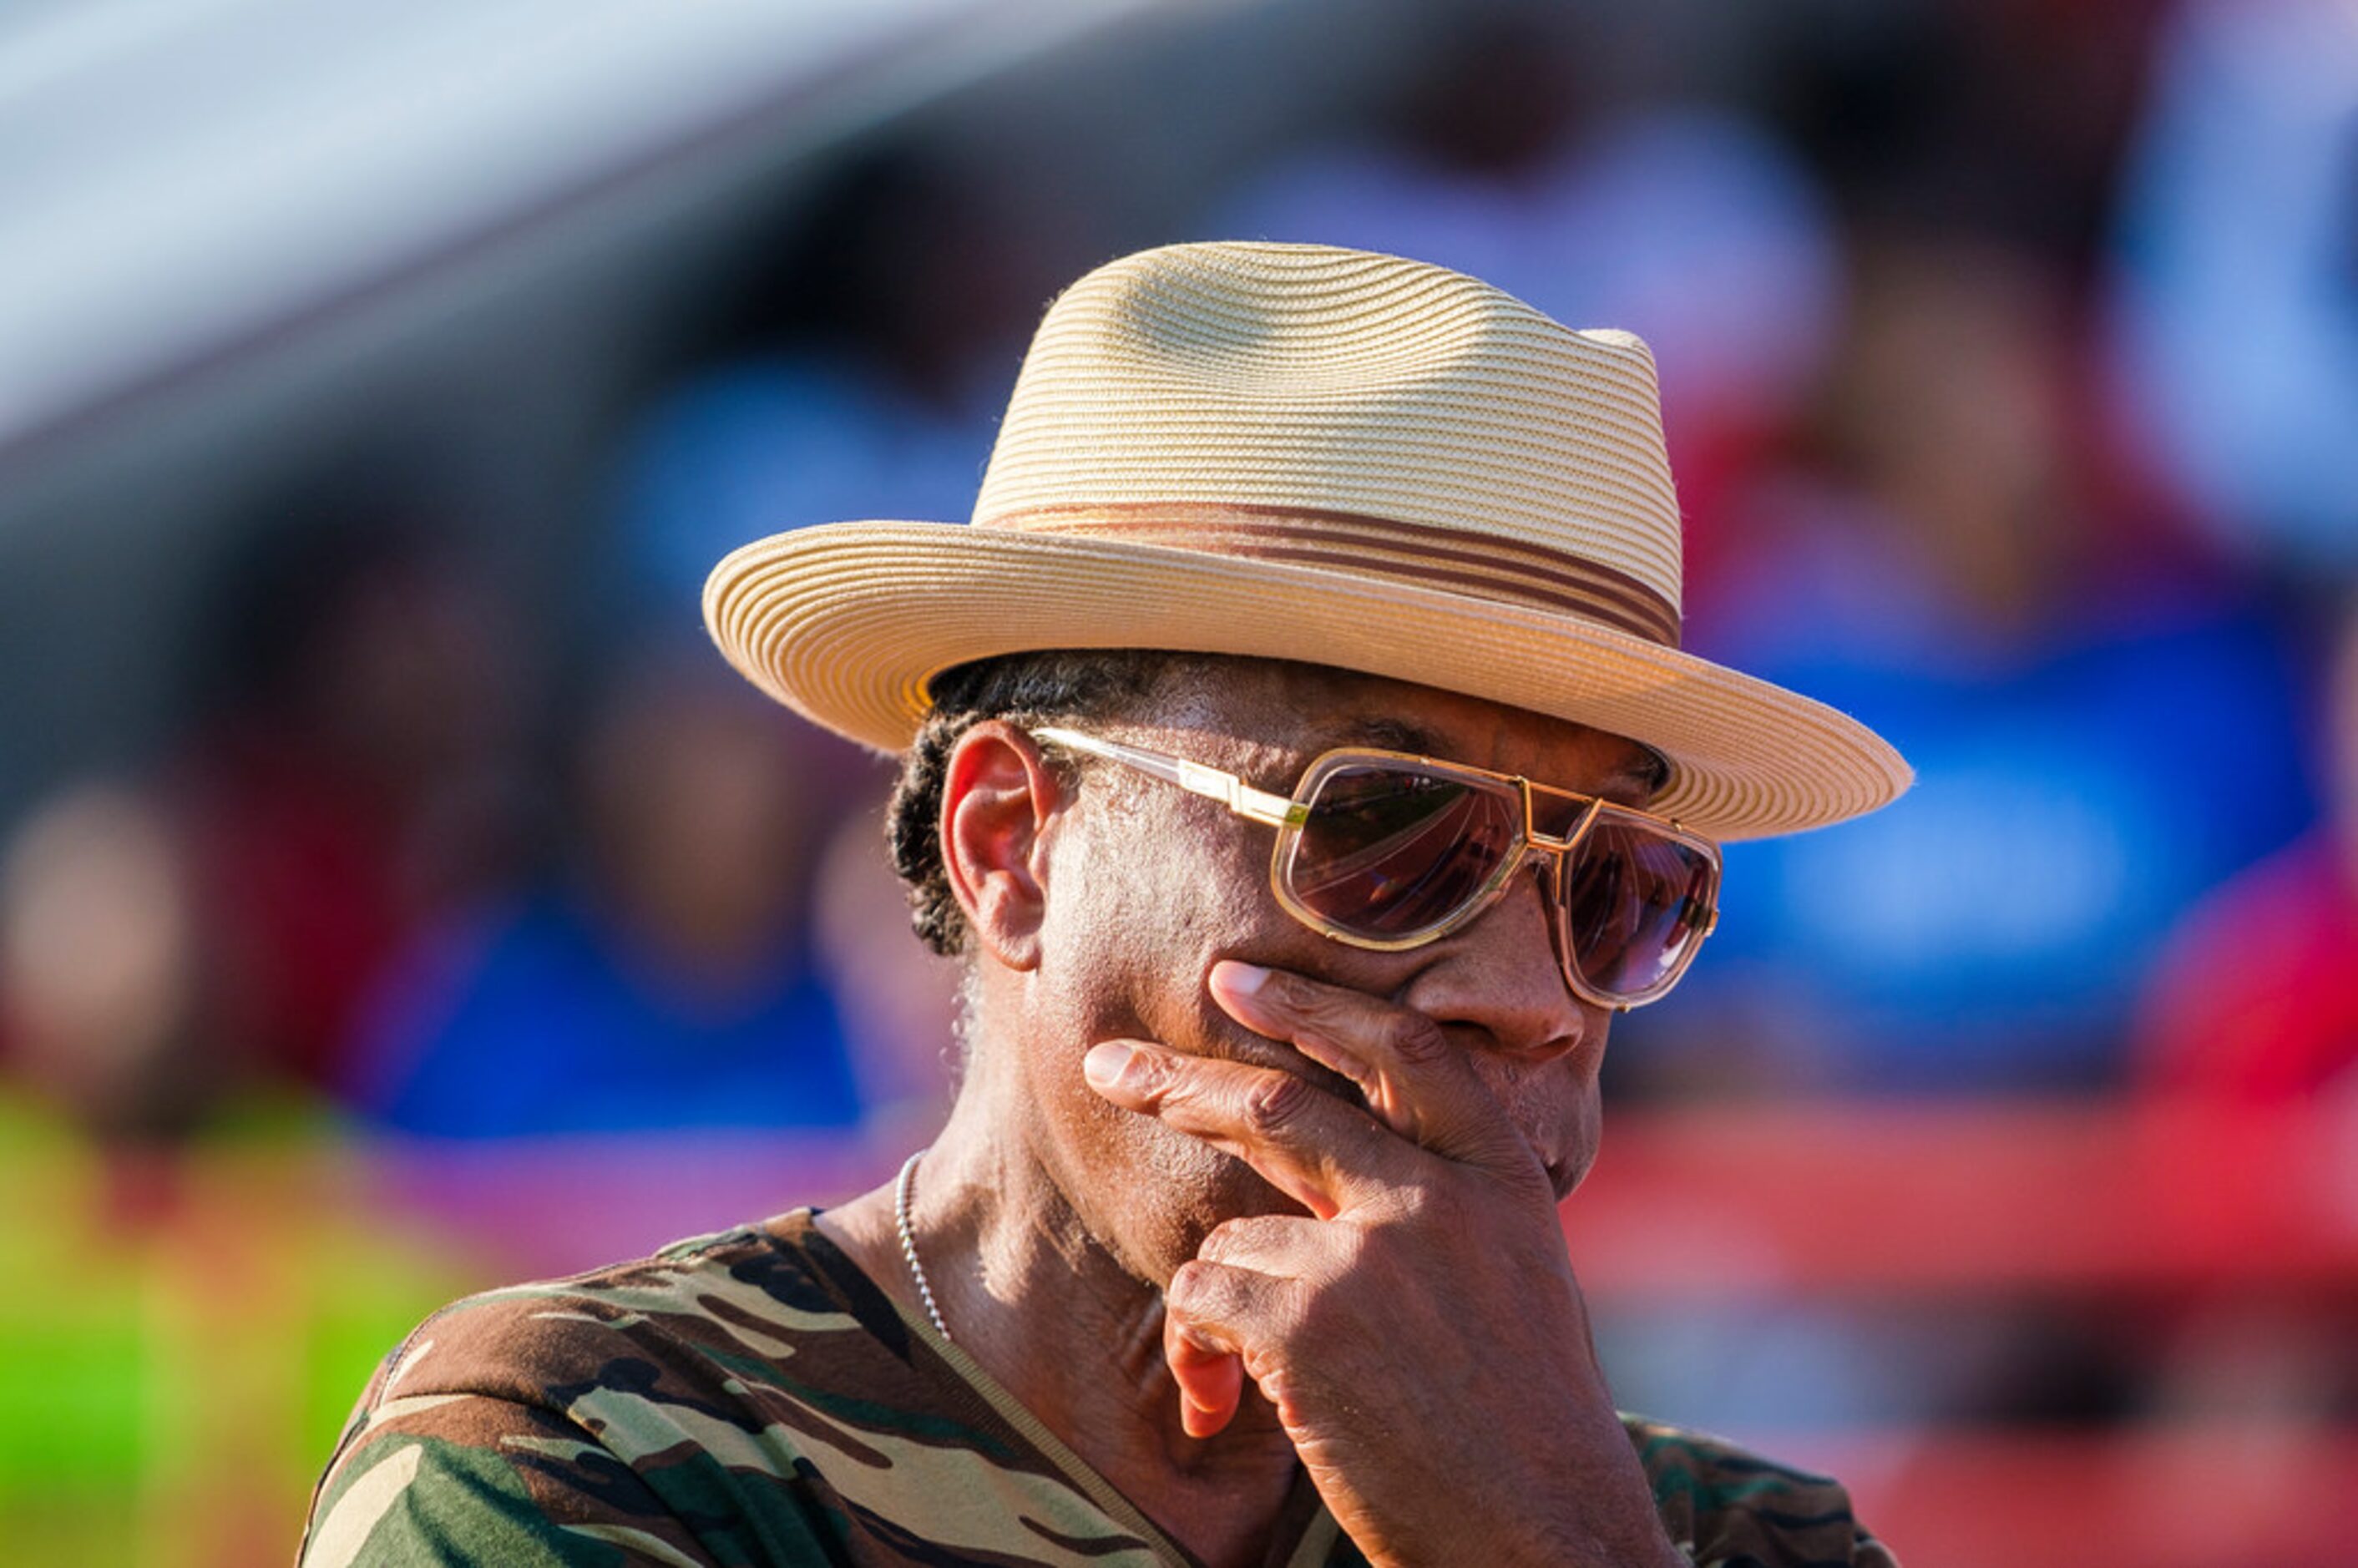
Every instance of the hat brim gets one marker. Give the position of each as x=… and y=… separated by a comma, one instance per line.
x=846, y=622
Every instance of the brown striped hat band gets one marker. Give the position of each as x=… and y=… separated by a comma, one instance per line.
x=1509, y=571
x=1325, y=455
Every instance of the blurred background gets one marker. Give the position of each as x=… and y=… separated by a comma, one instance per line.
x=397, y=896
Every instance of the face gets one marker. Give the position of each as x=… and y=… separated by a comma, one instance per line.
x=1146, y=887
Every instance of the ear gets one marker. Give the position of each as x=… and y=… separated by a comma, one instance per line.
x=997, y=799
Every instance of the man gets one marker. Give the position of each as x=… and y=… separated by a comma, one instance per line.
x=1300, y=755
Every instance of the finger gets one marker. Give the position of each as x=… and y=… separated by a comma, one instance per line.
x=1213, y=1315
x=1416, y=1080
x=1211, y=1380
x=1284, y=1245
x=1303, y=1140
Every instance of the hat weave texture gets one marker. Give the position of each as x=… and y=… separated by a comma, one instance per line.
x=1329, y=456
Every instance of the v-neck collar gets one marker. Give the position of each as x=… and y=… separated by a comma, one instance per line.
x=1304, y=1519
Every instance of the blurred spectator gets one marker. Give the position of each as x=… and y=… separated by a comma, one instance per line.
x=855, y=372
x=356, y=770
x=861, y=366
x=672, y=981
x=1943, y=563
x=102, y=964
x=2235, y=342
x=2253, y=998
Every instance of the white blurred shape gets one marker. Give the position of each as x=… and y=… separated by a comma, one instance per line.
x=178, y=174
x=2235, y=333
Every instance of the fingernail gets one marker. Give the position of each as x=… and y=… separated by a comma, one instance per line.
x=1242, y=978
x=1105, y=1062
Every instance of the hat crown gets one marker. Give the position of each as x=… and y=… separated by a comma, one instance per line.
x=1366, y=409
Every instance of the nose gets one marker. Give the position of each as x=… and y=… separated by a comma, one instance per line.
x=1500, y=978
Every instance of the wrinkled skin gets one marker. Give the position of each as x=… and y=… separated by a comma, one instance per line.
x=1221, y=1197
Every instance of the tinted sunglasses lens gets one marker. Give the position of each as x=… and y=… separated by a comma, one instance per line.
x=1387, y=851
x=1636, y=904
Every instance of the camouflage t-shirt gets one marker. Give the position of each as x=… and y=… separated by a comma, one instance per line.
x=753, y=1398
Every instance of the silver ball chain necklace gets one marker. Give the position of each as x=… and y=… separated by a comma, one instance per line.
x=909, y=1243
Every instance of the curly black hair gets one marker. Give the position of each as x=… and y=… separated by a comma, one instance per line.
x=1058, y=685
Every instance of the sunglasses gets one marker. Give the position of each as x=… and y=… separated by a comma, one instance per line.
x=1386, y=850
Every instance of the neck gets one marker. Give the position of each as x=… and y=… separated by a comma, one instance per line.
x=1041, y=1305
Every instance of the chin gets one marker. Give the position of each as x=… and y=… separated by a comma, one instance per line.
x=1195, y=1188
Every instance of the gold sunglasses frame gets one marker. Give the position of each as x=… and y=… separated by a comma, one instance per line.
x=1287, y=814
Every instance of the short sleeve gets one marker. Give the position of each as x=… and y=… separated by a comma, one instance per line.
x=1727, y=1508
x=468, y=1479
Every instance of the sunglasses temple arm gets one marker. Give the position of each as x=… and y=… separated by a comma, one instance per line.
x=1230, y=791
x=1257, y=804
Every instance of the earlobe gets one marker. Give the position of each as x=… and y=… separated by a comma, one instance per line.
x=997, y=798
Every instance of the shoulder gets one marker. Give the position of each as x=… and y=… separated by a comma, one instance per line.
x=687, y=1312
x=1724, y=1505
x=640, y=1403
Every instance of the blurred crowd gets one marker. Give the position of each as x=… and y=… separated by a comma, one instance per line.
x=2010, y=357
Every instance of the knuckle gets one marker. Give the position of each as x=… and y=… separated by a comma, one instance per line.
x=1290, y=989
x=1227, y=1240
x=1275, y=1103
x=1147, y=1073
x=1187, y=1292
x=1415, y=1038
x=1323, y=1008
x=1205, y=1294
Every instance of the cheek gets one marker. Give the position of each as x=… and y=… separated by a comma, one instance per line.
x=1143, y=902
x=1139, y=911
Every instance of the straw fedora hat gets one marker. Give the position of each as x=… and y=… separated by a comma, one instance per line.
x=1299, y=452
